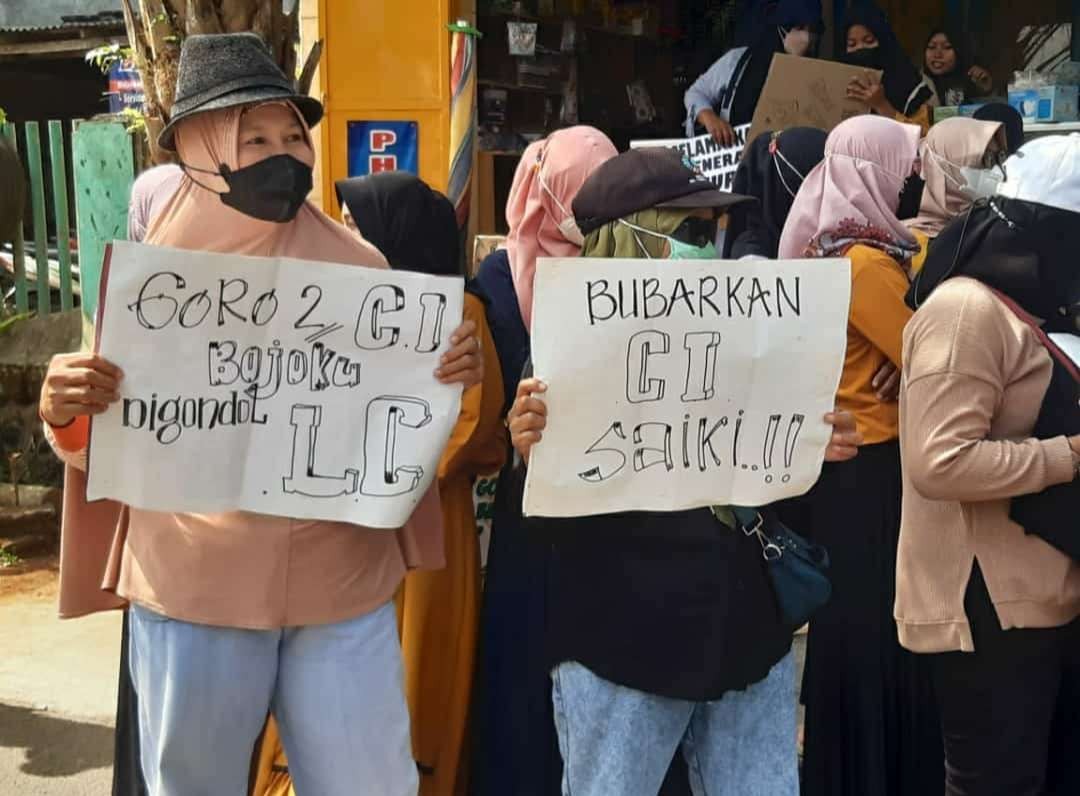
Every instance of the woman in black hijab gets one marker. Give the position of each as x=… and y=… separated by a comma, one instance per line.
x=772, y=172
x=946, y=69
x=404, y=219
x=416, y=229
x=726, y=95
x=1010, y=118
x=871, y=43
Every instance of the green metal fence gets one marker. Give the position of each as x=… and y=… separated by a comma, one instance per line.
x=101, y=174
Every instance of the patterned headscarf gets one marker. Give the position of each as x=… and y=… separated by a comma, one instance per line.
x=852, y=196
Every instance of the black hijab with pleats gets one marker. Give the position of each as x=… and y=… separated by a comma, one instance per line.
x=772, y=171
x=413, y=226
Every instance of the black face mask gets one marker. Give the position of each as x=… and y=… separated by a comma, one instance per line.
x=911, y=197
x=273, y=189
x=867, y=58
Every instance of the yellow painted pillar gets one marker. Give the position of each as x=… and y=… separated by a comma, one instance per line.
x=384, y=60
x=309, y=34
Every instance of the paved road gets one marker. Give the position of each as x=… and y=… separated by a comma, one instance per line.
x=57, y=699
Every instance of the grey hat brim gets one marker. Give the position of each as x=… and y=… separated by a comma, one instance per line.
x=310, y=108
x=710, y=197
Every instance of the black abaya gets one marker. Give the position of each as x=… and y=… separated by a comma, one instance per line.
x=872, y=726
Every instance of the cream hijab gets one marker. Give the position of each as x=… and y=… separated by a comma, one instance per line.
x=951, y=145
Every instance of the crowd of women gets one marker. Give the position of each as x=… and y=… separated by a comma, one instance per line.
x=631, y=653
x=725, y=96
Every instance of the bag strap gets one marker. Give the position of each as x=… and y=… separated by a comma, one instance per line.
x=752, y=523
x=1052, y=348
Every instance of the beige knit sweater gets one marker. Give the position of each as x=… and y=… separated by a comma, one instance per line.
x=974, y=378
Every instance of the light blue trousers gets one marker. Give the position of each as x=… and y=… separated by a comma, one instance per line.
x=336, y=690
x=615, y=740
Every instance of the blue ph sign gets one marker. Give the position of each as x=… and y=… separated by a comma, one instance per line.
x=382, y=146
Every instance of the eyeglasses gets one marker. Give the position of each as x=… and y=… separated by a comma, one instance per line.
x=996, y=159
x=696, y=231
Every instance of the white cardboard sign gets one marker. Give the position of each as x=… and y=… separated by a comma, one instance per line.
x=681, y=384
x=272, y=385
x=717, y=163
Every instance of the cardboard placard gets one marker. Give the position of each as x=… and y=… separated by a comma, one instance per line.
x=806, y=92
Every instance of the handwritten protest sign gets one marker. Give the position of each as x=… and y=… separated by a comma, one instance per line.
x=717, y=163
x=272, y=385
x=806, y=92
x=680, y=384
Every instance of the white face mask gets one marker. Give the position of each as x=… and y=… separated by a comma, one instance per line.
x=974, y=183
x=568, y=227
x=796, y=42
x=980, y=183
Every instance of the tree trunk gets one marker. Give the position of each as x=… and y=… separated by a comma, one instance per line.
x=156, y=29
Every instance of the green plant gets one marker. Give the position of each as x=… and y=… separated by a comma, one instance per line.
x=3, y=116
x=134, y=120
x=104, y=57
x=6, y=324
x=9, y=559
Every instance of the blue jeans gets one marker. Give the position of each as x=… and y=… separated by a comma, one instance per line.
x=336, y=690
x=615, y=740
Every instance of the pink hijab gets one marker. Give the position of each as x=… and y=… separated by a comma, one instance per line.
x=951, y=145
x=548, y=177
x=195, y=218
x=852, y=196
x=149, y=193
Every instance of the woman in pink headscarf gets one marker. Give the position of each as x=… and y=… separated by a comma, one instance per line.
x=517, y=747
x=237, y=614
x=871, y=723
x=538, y=210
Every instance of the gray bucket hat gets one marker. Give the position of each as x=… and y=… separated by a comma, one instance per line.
x=223, y=70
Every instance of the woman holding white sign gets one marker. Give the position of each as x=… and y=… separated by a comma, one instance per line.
x=663, y=630
x=237, y=614
x=871, y=724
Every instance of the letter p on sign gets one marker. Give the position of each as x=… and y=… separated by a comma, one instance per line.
x=382, y=139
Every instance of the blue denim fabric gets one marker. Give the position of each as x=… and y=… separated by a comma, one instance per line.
x=615, y=740
x=336, y=690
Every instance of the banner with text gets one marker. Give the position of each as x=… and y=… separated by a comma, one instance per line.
x=717, y=163
x=681, y=384
x=272, y=385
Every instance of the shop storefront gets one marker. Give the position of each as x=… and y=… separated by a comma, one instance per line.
x=620, y=66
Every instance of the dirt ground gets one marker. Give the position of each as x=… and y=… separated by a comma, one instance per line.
x=34, y=578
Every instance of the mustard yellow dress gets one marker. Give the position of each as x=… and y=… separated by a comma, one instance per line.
x=438, y=611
